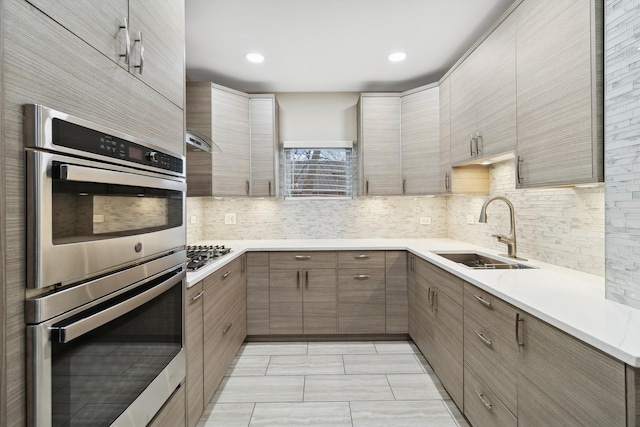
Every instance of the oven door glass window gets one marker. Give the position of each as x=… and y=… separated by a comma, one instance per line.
x=96, y=376
x=83, y=211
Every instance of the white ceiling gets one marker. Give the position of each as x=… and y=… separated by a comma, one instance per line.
x=331, y=45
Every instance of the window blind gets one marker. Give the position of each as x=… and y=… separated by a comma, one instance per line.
x=317, y=172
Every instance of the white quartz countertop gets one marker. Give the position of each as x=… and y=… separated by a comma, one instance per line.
x=567, y=299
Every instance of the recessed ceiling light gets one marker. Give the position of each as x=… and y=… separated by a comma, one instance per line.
x=255, y=58
x=398, y=56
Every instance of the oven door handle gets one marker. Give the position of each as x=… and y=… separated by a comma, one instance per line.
x=64, y=334
x=76, y=173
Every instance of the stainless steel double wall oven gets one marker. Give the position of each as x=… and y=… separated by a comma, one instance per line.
x=105, y=272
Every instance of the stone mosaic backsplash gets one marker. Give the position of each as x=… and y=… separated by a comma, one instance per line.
x=560, y=226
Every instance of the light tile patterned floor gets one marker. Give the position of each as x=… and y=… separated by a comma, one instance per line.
x=350, y=384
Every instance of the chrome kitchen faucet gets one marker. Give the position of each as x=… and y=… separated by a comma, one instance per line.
x=509, y=240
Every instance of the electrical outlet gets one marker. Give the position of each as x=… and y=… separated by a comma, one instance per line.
x=98, y=218
x=470, y=219
x=194, y=219
x=230, y=218
x=425, y=220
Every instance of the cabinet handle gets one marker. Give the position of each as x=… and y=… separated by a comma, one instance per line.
x=518, y=320
x=197, y=297
x=225, y=330
x=127, y=50
x=486, y=404
x=361, y=276
x=519, y=170
x=478, y=139
x=362, y=257
x=302, y=257
x=366, y=187
x=306, y=279
x=298, y=279
x=471, y=141
x=227, y=274
x=269, y=187
x=482, y=300
x=247, y=187
x=404, y=186
x=435, y=300
x=140, y=67
x=483, y=339
x=446, y=181
x=430, y=298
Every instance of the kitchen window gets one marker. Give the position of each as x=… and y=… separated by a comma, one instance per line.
x=318, y=170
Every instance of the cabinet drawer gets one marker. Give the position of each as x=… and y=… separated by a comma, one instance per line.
x=302, y=260
x=359, y=259
x=493, y=358
x=446, y=282
x=493, y=311
x=226, y=273
x=481, y=406
x=361, y=301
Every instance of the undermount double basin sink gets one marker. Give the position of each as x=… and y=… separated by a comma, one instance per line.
x=479, y=261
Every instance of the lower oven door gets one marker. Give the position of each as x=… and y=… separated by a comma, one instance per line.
x=86, y=218
x=113, y=363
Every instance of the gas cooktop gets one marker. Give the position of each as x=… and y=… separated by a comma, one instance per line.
x=199, y=256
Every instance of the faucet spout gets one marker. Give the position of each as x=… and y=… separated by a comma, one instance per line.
x=509, y=240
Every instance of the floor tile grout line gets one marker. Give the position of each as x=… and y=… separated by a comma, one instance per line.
x=386, y=376
x=251, y=416
x=350, y=413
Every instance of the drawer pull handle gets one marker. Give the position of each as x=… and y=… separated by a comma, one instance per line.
x=303, y=257
x=362, y=257
x=361, y=276
x=197, y=297
x=483, y=339
x=225, y=330
x=486, y=404
x=227, y=274
x=482, y=300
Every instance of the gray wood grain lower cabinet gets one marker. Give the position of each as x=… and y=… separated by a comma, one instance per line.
x=361, y=301
x=559, y=101
x=380, y=145
x=172, y=414
x=420, y=142
x=396, y=304
x=257, y=293
x=194, y=345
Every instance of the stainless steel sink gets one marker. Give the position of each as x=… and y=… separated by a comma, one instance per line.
x=482, y=262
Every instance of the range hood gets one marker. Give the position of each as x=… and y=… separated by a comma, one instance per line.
x=198, y=142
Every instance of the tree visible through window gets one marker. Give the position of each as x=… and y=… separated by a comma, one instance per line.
x=317, y=172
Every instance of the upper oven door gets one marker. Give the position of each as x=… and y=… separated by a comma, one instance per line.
x=86, y=218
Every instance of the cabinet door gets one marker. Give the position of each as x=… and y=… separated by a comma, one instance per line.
x=230, y=131
x=420, y=142
x=564, y=377
x=258, y=293
x=449, y=344
x=162, y=27
x=319, y=306
x=496, y=80
x=380, y=137
x=464, y=98
x=263, y=146
x=396, y=292
x=423, y=321
x=445, y=137
x=554, y=87
x=361, y=301
x=97, y=22
x=194, y=345
x=285, y=302
x=172, y=413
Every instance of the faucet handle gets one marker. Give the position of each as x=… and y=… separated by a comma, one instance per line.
x=498, y=236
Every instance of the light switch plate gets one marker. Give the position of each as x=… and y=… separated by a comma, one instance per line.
x=230, y=218
x=470, y=219
x=194, y=219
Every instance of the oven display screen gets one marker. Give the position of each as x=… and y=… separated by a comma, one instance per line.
x=135, y=153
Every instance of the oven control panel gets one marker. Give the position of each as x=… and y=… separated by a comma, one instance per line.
x=78, y=137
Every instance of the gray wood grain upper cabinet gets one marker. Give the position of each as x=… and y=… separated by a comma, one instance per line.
x=163, y=36
x=380, y=145
x=263, y=110
x=420, y=144
x=221, y=114
x=559, y=89
x=159, y=29
x=445, y=173
x=483, y=98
